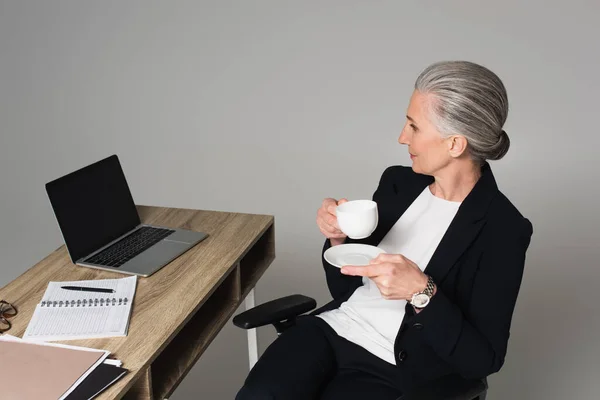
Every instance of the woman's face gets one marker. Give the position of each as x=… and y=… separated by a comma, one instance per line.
x=429, y=152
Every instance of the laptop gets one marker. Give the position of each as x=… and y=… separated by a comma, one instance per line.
x=101, y=227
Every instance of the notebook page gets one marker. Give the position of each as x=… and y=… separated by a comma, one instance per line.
x=68, y=315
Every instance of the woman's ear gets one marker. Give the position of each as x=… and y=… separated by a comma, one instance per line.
x=457, y=145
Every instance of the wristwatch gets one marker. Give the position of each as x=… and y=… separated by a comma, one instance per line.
x=421, y=299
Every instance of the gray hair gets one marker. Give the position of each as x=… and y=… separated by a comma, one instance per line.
x=469, y=100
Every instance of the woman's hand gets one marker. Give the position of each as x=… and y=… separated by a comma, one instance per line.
x=327, y=221
x=396, y=276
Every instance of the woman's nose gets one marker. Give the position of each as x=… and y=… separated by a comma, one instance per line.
x=403, y=138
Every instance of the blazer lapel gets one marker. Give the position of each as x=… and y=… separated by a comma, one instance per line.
x=465, y=226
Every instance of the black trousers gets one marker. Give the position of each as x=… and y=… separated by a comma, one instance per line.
x=311, y=361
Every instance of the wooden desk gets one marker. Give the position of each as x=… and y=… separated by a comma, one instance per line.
x=178, y=310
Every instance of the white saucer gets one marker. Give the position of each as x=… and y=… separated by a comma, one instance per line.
x=351, y=254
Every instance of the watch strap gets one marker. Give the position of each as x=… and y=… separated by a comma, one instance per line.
x=430, y=287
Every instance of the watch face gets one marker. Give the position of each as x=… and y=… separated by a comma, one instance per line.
x=420, y=300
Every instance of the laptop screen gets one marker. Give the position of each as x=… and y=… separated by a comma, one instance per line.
x=93, y=206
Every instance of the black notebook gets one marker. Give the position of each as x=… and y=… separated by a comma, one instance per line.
x=96, y=382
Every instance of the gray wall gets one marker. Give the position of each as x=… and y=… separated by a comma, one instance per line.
x=269, y=106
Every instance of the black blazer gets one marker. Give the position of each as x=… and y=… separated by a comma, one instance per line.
x=478, y=266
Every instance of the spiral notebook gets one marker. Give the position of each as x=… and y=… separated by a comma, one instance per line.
x=67, y=315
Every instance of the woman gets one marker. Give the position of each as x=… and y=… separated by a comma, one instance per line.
x=439, y=303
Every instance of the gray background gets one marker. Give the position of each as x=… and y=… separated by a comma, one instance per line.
x=270, y=106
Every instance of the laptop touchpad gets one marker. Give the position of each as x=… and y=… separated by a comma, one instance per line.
x=184, y=236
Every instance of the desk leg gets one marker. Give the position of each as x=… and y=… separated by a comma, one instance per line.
x=252, y=342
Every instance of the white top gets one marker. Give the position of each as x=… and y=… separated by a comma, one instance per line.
x=368, y=319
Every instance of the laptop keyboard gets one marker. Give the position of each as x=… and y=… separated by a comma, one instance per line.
x=129, y=247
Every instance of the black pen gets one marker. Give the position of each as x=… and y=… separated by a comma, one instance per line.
x=88, y=289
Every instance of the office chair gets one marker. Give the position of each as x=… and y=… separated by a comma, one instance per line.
x=282, y=313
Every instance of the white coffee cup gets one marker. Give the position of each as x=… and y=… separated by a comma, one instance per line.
x=357, y=218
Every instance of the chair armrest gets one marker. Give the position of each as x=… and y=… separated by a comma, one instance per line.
x=274, y=311
x=445, y=389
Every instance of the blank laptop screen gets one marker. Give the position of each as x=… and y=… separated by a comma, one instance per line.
x=93, y=206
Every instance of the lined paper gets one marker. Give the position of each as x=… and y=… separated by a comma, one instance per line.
x=68, y=315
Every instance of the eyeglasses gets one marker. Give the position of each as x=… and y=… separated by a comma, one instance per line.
x=7, y=311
